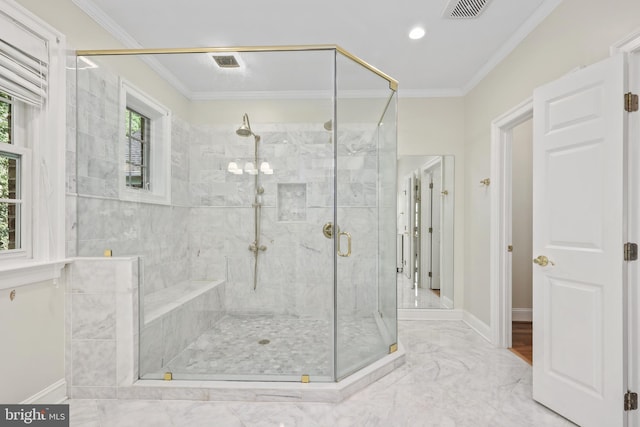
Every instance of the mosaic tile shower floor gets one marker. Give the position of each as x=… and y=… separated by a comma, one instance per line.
x=276, y=345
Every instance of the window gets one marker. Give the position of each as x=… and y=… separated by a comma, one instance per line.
x=146, y=148
x=32, y=148
x=137, y=150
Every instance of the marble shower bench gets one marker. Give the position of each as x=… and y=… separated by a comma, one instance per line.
x=174, y=317
x=103, y=322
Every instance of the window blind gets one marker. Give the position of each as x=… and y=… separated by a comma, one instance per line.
x=23, y=62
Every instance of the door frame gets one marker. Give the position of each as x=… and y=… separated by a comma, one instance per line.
x=630, y=46
x=500, y=269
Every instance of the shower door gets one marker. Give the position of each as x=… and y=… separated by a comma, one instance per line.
x=366, y=217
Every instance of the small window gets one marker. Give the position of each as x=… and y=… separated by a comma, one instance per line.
x=137, y=150
x=146, y=148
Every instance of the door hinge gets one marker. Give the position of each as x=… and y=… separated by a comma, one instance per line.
x=431, y=185
x=430, y=229
x=631, y=102
x=430, y=274
x=630, y=401
x=630, y=251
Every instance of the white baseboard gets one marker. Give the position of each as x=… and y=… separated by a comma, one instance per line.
x=55, y=393
x=447, y=302
x=521, y=315
x=477, y=325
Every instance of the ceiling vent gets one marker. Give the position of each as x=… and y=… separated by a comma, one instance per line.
x=465, y=9
x=226, y=61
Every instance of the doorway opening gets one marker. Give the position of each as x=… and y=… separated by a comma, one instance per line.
x=521, y=177
x=502, y=246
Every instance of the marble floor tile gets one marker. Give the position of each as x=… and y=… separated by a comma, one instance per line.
x=410, y=296
x=452, y=378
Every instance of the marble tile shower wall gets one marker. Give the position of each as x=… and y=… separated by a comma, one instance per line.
x=153, y=232
x=101, y=323
x=295, y=272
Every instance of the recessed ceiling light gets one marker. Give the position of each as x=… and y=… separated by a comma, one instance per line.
x=416, y=33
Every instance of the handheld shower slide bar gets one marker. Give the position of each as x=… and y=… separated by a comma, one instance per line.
x=255, y=247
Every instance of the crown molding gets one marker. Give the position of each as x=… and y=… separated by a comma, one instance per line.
x=102, y=19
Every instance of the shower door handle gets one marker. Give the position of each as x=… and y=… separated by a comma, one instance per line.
x=348, y=253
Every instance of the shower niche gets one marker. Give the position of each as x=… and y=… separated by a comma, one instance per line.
x=292, y=202
x=236, y=279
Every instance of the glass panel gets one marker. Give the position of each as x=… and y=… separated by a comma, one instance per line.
x=387, y=202
x=137, y=150
x=9, y=226
x=9, y=207
x=5, y=118
x=365, y=174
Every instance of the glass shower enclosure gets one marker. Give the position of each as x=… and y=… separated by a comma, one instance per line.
x=257, y=188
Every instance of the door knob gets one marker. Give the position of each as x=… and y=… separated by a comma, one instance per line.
x=542, y=261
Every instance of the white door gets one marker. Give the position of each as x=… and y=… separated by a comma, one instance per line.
x=579, y=225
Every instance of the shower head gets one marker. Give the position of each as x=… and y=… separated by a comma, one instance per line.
x=245, y=128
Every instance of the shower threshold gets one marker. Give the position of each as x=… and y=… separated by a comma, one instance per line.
x=329, y=392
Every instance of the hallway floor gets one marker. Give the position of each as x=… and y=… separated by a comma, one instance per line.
x=452, y=377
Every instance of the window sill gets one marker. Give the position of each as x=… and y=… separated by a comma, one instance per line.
x=143, y=196
x=15, y=274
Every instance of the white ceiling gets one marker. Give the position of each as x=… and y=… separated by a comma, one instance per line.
x=451, y=59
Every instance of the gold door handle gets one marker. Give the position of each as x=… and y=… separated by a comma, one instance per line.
x=542, y=261
x=344, y=233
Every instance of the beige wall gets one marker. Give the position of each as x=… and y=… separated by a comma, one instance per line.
x=32, y=335
x=577, y=33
